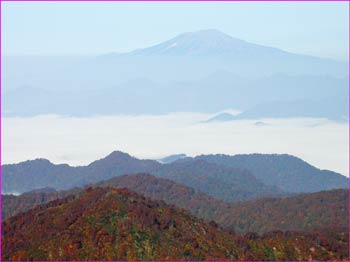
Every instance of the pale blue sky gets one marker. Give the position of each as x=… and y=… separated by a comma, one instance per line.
x=319, y=29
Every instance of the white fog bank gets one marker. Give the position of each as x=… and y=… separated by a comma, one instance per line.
x=79, y=141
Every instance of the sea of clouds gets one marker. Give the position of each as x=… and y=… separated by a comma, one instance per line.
x=79, y=141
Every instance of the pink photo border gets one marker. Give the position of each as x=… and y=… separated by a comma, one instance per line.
x=167, y=1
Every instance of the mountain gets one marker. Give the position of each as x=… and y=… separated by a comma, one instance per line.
x=316, y=211
x=214, y=71
x=260, y=123
x=171, y=158
x=222, y=117
x=332, y=108
x=209, y=42
x=36, y=174
x=287, y=172
x=111, y=224
x=322, y=211
x=12, y=205
x=213, y=93
x=229, y=184
x=198, y=203
x=225, y=51
x=180, y=195
x=116, y=224
x=43, y=173
x=326, y=210
x=231, y=178
x=115, y=164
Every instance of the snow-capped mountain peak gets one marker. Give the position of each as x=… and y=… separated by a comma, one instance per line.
x=203, y=42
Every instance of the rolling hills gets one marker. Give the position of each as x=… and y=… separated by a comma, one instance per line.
x=112, y=224
x=320, y=211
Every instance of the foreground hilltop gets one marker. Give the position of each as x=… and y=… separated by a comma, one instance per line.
x=111, y=224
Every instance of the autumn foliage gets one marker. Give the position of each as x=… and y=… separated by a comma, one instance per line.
x=111, y=224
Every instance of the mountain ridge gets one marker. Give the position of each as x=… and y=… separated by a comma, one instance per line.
x=316, y=211
x=300, y=176
x=117, y=224
x=286, y=172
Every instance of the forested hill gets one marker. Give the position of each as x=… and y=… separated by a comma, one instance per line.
x=306, y=212
x=110, y=224
x=116, y=224
x=322, y=211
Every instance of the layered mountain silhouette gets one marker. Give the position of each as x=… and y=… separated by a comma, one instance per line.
x=214, y=71
x=116, y=224
x=230, y=184
x=239, y=177
x=326, y=210
x=283, y=95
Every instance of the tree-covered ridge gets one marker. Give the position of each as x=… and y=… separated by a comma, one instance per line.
x=12, y=205
x=306, y=212
x=198, y=203
x=322, y=211
x=110, y=224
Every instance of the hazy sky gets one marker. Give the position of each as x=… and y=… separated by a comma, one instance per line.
x=319, y=29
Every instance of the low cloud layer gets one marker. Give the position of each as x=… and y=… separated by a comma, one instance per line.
x=79, y=141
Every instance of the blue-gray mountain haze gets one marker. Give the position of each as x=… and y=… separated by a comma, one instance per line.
x=204, y=71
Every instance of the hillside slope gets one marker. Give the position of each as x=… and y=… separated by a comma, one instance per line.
x=308, y=212
x=219, y=181
x=111, y=224
x=323, y=211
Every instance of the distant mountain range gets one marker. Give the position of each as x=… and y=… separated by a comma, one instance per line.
x=335, y=109
x=214, y=72
x=116, y=224
x=238, y=177
x=274, y=96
